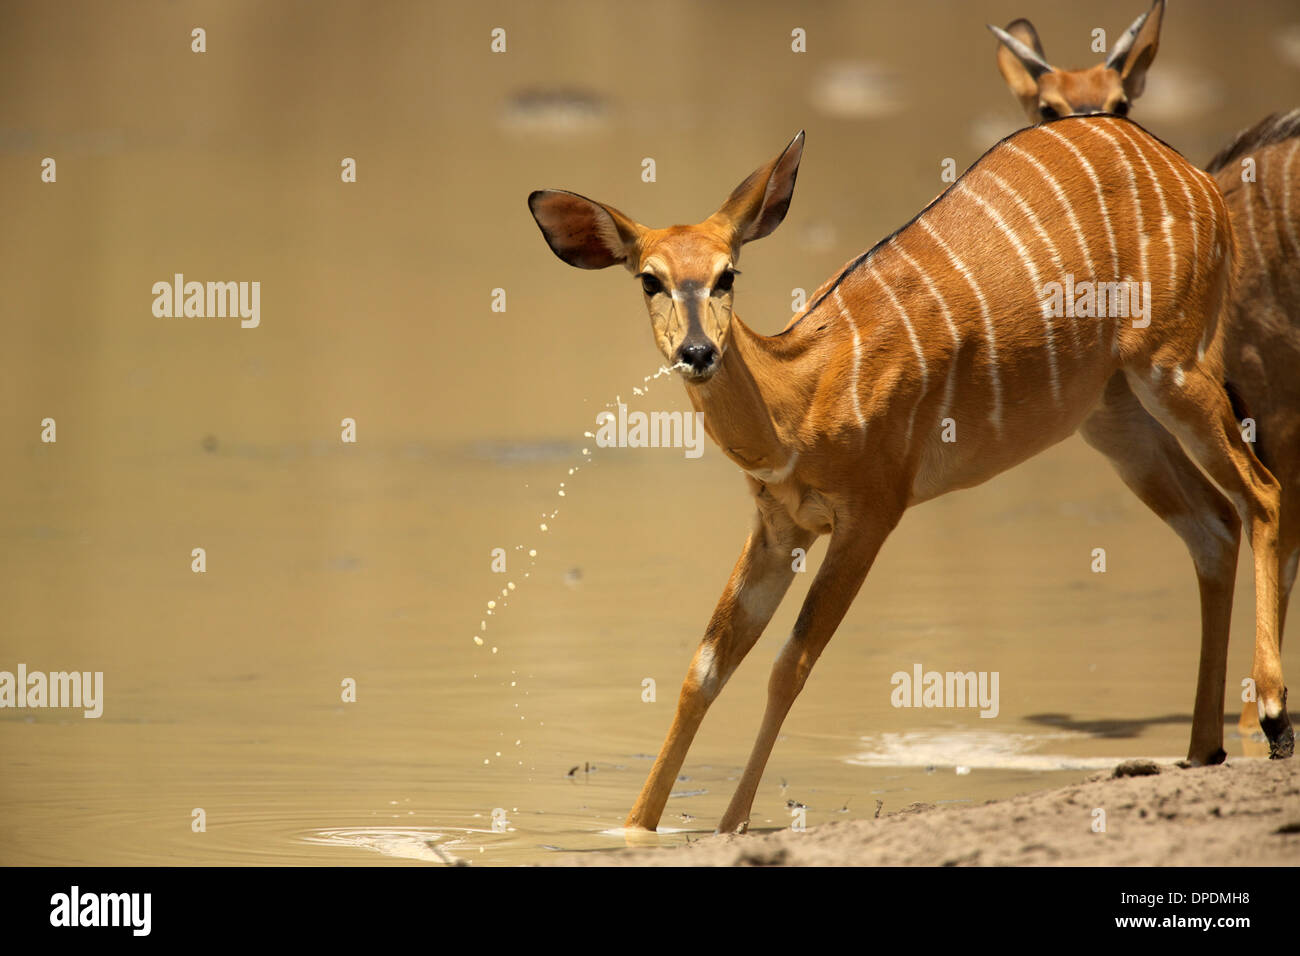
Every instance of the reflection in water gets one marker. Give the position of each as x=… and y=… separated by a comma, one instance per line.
x=430, y=845
x=980, y=750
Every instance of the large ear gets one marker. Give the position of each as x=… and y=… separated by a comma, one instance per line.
x=758, y=205
x=1021, y=62
x=1134, y=51
x=583, y=232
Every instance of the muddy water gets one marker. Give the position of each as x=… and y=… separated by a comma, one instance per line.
x=371, y=562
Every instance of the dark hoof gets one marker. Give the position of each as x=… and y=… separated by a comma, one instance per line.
x=1212, y=760
x=1281, y=738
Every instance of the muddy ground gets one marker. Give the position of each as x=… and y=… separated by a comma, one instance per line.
x=1244, y=812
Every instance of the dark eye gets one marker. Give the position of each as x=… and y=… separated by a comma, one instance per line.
x=1048, y=112
x=650, y=285
x=1121, y=108
x=725, y=282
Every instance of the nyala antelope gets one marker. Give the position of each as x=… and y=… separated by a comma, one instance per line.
x=839, y=421
x=1260, y=327
x=1047, y=93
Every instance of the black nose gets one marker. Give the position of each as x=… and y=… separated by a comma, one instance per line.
x=699, y=357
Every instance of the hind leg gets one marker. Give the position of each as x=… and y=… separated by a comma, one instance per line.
x=1193, y=406
x=1153, y=465
x=1289, y=553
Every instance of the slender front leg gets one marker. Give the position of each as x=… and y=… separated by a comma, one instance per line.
x=852, y=549
x=760, y=579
